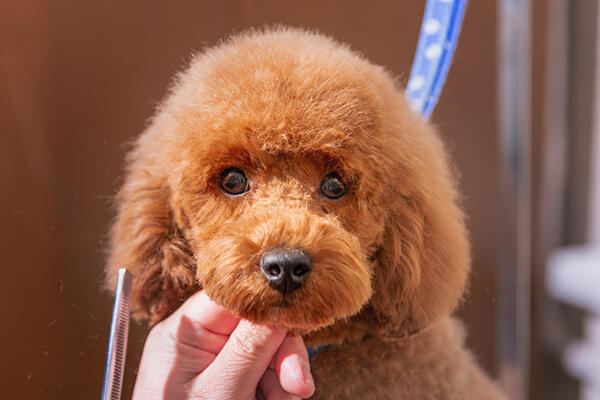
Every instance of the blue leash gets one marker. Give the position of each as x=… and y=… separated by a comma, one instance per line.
x=439, y=33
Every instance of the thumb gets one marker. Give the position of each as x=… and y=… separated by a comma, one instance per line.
x=242, y=362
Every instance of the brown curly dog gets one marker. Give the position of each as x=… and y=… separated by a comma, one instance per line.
x=286, y=175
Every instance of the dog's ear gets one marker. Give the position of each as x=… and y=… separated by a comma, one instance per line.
x=146, y=239
x=423, y=262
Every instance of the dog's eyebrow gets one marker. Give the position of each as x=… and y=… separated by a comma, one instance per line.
x=327, y=159
x=224, y=154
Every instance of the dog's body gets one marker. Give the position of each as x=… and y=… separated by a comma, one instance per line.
x=286, y=147
x=430, y=365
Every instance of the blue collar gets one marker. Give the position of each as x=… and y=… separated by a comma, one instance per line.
x=314, y=350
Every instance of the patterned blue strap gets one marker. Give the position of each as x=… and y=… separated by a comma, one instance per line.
x=437, y=40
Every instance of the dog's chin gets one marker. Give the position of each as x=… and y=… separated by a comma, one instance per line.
x=296, y=313
x=285, y=314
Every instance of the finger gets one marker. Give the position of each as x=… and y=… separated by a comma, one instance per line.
x=192, y=361
x=271, y=389
x=167, y=365
x=198, y=323
x=206, y=313
x=192, y=334
x=183, y=345
x=244, y=359
x=293, y=367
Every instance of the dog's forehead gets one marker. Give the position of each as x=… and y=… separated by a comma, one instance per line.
x=288, y=116
x=286, y=92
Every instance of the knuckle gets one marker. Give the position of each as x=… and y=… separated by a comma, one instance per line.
x=163, y=331
x=249, y=345
x=245, y=348
x=158, y=331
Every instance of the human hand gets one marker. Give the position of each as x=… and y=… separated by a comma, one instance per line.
x=203, y=352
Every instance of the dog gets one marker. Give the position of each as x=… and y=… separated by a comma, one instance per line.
x=288, y=177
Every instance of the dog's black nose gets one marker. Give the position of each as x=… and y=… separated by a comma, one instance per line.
x=286, y=269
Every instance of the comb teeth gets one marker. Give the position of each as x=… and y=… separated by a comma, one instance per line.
x=120, y=352
x=117, y=344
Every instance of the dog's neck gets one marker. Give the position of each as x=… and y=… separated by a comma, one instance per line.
x=360, y=327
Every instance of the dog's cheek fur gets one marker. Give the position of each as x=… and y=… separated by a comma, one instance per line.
x=145, y=239
x=423, y=263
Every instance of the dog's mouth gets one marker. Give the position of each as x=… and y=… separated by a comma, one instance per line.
x=281, y=304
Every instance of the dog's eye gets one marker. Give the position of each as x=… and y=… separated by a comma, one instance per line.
x=233, y=181
x=332, y=186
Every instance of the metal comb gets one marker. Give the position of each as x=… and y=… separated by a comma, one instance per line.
x=117, y=342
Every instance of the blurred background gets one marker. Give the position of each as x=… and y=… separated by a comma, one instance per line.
x=79, y=80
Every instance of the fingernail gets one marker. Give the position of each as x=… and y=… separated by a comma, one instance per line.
x=306, y=375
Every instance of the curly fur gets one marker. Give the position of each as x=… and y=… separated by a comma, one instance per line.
x=391, y=258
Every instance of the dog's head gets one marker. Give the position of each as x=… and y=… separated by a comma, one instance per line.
x=286, y=176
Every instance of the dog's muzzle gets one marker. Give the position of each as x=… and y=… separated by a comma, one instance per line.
x=286, y=269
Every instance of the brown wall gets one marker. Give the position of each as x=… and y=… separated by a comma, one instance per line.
x=79, y=79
